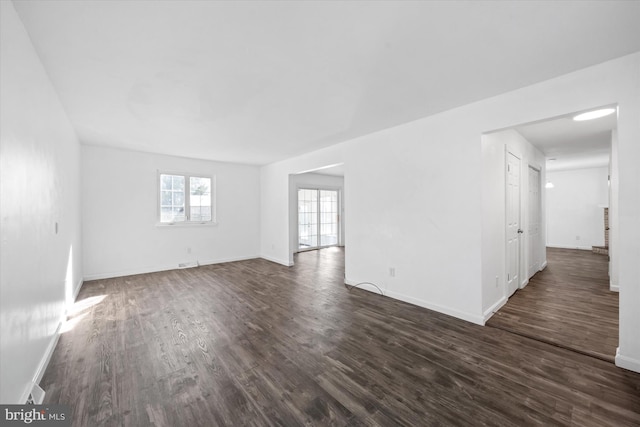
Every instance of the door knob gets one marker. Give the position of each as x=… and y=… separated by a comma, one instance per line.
x=520, y=231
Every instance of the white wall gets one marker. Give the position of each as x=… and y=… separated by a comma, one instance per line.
x=575, y=208
x=416, y=194
x=313, y=180
x=40, y=169
x=494, y=148
x=120, y=214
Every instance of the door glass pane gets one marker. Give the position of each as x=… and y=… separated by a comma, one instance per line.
x=307, y=218
x=329, y=217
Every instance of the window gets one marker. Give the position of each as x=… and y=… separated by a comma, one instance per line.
x=186, y=199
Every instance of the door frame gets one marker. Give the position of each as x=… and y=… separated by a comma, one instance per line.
x=538, y=259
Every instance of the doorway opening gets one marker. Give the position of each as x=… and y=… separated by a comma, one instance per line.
x=317, y=210
x=563, y=226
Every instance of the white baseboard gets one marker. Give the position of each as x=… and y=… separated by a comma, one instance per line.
x=614, y=287
x=478, y=320
x=544, y=265
x=223, y=260
x=627, y=362
x=495, y=307
x=46, y=358
x=44, y=362
x=144, y=270
x=582, y=248
x=76, y=291
x=277, y=260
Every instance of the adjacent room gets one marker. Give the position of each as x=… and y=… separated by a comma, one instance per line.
x=320, y=213
x=563, y=289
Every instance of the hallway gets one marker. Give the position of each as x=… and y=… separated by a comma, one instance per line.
x=568, y=304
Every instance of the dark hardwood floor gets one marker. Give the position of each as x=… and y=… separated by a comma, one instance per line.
x=568, y=304
x=256, y=343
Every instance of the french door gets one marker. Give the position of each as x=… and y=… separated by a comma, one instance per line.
x=318, y=218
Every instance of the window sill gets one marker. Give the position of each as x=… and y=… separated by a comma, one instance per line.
x=186, y=224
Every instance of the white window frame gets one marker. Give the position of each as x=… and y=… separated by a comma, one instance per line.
x=187, y=199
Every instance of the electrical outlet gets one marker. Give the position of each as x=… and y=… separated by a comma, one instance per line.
x=497, y=281
x=577, y=237
x=392, y=271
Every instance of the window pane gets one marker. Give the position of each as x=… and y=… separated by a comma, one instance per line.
x=178, y=198
x=165, y=182
x=178, y=214
x=200, y=198
x=178, y=182
x=165, y=198
x=172, y=198
x=165, y=215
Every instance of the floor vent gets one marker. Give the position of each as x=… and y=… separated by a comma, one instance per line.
x=36, y=397
x=188, y=264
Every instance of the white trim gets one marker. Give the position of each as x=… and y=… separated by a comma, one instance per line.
x=627, y=362
x=46, y=358
x=613, y=287
x=581, y=248
x=473, y=318
x=524, y=283
x=76, y=291
x=47, y=354
x=495, y=307
x=277, y=260
x=544, y=265
x=42, y=366
x=130, y=272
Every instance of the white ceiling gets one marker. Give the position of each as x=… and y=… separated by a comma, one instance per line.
x=256, y=82
x=573, y=144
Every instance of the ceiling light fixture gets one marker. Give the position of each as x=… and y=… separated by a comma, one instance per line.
x=595, y=114
x=549, y=184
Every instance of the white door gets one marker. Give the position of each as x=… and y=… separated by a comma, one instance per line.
x=513, y=223
x=533, y=226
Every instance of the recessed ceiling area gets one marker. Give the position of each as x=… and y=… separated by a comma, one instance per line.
x=572, y=144
x=255, y=82
x=336, y=170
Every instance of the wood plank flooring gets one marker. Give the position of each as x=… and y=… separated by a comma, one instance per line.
x=255, y=343
x=568, y=304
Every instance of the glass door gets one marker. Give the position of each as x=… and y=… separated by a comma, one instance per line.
x=318, y=218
